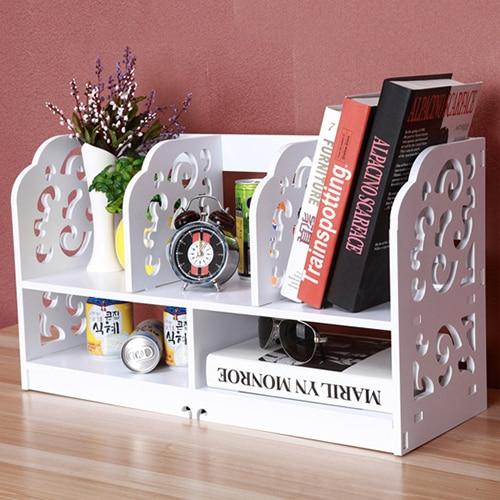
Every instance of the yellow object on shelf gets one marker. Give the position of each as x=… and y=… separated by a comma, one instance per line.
x=120, y=244
x=120, y=247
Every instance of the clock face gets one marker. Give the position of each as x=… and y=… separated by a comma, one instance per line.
x=199, y=253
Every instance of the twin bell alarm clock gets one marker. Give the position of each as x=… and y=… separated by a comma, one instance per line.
x=203, y=250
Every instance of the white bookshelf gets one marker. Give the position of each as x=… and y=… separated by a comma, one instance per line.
x=436, y=317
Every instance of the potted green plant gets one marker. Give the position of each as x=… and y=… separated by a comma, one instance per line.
x=117, y=128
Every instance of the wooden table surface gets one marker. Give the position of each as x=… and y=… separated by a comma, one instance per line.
x=55, y=447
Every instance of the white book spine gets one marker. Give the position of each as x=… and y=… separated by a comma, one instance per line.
x=304, y=384
x=309, y=209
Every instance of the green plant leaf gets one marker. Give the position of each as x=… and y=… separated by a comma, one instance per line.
x=153, y=131
x=114, y=140
x=86, y=136
x=93, y=135
x=77, y=126
x=113, y=181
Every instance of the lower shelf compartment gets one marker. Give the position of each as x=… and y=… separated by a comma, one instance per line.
x=77, y=359
x=74, y=373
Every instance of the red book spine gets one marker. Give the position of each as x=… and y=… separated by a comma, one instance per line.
x=335, y=196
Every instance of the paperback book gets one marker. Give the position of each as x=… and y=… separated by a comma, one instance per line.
x=354, y=371
x=413, y=114
x=310, y=204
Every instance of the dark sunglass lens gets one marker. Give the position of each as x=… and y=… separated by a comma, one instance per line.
x=298, y=340
x=265, y=330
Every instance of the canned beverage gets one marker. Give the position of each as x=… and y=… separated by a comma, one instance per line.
x=175, y=334
x=108, y=325
x=244, y=190
x=143, y=350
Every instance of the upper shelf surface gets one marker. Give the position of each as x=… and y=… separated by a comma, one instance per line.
x=235, y=298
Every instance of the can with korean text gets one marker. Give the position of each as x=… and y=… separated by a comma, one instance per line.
x=108, y=325
x=175, y=334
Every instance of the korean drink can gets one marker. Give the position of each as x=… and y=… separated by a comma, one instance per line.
x=175, y=336
x=108, y=325
x=244, y=190
x=143, y=350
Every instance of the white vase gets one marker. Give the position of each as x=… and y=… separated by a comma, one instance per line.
x=103, y=257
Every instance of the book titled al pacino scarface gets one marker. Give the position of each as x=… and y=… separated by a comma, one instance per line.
x=355, y=372
x=413, y=114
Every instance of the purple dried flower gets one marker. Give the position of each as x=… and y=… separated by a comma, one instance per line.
x=98, y=69
x=150, y=100
x=114, y=122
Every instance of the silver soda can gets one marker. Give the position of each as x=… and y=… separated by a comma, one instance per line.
x=143, y=350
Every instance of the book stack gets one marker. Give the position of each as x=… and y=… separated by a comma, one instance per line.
x=340, y=250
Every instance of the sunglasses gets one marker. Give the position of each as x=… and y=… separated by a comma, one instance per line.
x=299, y=340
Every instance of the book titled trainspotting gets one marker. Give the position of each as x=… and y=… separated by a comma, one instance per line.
x=310, y=203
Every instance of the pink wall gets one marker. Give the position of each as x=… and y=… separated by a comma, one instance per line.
x=253, y=66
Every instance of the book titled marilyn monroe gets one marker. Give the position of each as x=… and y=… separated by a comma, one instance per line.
x=354, y=371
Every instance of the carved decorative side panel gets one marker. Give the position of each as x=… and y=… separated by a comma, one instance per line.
x=53, y=322
x=51, y=210
x=173, y=172
x=438, y=291
x=274, y=212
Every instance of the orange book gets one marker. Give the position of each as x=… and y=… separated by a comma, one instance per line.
x=355, y=120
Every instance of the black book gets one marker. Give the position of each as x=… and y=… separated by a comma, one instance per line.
x=413, y=114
